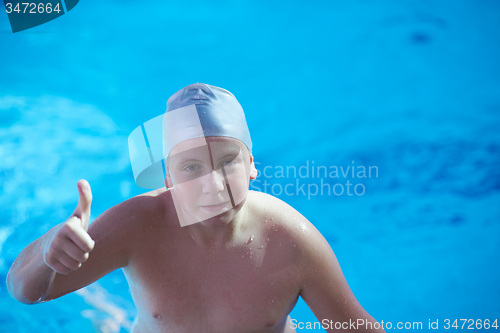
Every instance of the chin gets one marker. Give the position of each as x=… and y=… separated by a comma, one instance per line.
x=220, y=220
x=224, y=218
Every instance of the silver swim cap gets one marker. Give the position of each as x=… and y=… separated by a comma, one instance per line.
x=216, y=112
x=197, y=110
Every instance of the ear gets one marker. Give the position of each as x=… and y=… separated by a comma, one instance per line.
x=253, y=170
x=168, y=179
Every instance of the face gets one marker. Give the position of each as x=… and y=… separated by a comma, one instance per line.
x=209, y=177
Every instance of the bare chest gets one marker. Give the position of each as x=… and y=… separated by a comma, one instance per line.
x=249, y=288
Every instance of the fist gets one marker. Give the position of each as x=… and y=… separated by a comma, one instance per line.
x=69, y=244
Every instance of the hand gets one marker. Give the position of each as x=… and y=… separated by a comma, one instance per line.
x=69, y=244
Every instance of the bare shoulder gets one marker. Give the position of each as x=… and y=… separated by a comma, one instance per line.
x=319, y=278
x=135, y=215
x=153, y=193
x=137, y=209
x=288, y=226
x=307, y=248
x=117, y=234
x=120, y=227
x=281, y=214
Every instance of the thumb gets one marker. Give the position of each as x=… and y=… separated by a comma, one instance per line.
x=82, y=210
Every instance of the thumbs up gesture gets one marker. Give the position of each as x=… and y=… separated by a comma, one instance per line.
x=69, y=244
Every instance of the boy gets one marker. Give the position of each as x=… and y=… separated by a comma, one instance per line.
x=204, y=254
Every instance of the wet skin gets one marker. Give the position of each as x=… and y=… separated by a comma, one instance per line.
x=240, y=270
x=248, y=282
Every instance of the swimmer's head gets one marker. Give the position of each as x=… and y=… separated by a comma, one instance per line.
x=207, y=146
x=209, y=180
x=201, y=110
x=196, y=111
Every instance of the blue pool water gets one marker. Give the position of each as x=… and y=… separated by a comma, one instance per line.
x=411, y=88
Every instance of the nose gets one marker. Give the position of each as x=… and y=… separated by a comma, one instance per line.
x=214, y=182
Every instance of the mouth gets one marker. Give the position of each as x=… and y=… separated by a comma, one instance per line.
x=215, y=208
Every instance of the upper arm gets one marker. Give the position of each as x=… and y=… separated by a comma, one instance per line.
x=112, y=232
x=324, y=287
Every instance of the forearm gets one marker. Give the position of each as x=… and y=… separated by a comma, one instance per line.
x=29, y=277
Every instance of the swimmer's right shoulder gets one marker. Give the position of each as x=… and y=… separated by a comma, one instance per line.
x=119, y=233
x=149, y=207
x=154, y=193
x=140, y=209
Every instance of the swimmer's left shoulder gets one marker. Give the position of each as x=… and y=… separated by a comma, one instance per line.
x=288, y=226
x=265, y=199
x=281, y=212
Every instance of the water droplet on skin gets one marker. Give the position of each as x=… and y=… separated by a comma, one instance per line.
x=250, y=239
x=250, y=257
x=294, y=245
x=243, y=256
x=271, y=218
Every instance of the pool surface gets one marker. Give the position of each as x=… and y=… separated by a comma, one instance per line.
x=410, y=89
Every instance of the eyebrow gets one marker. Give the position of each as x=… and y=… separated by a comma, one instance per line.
x=227, y=153
x=190, y=160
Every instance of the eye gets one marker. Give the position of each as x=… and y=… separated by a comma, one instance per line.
x=190, y=167
x=228, y=162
